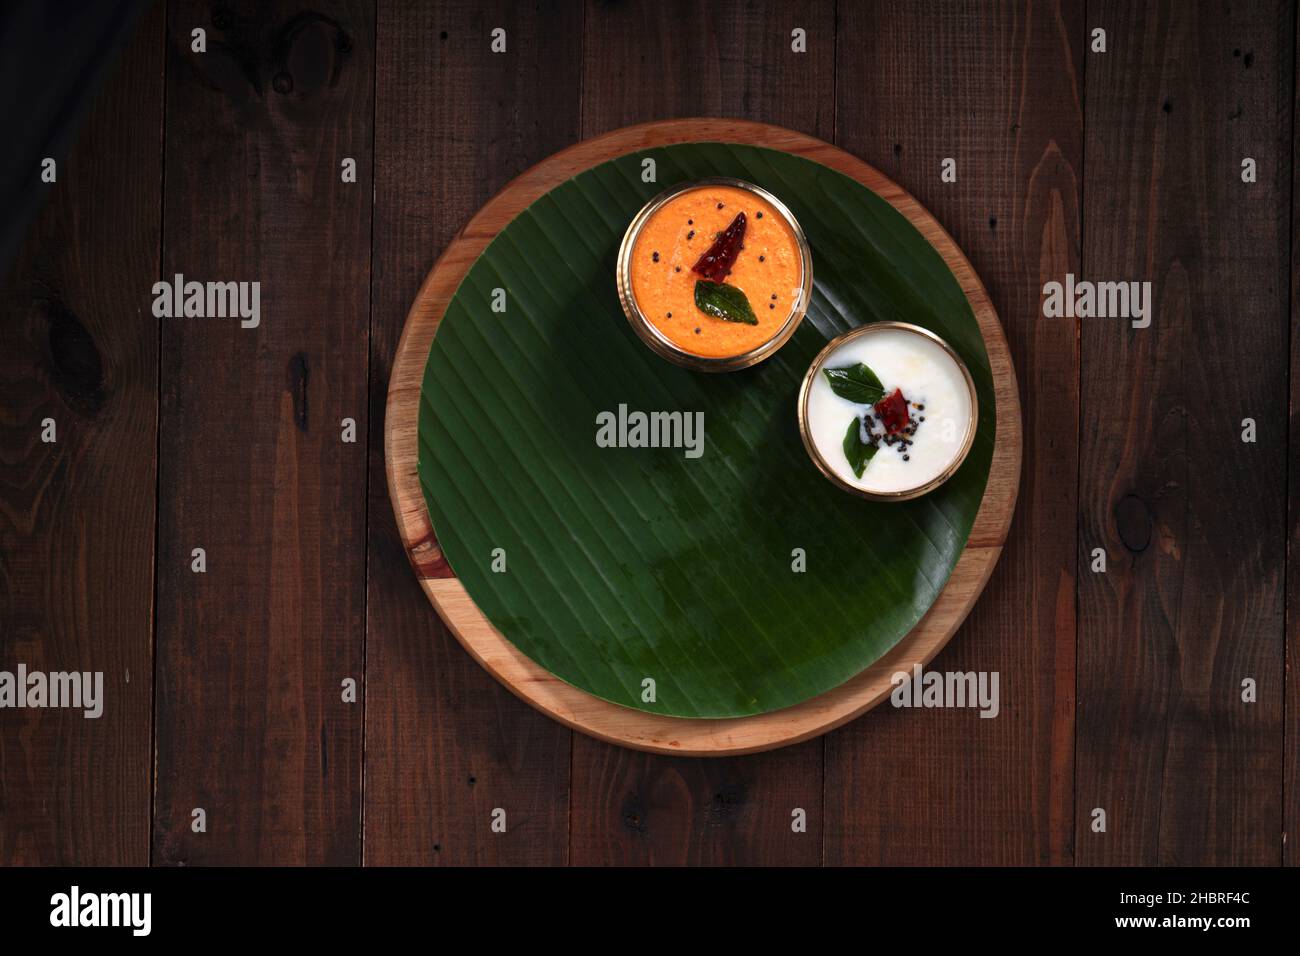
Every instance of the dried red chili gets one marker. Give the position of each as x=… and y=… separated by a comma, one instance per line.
x=718, y=259
x=892, y=410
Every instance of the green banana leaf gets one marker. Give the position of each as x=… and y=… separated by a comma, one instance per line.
x=622, y=565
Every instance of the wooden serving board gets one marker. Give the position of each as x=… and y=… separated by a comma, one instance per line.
x=568, y=704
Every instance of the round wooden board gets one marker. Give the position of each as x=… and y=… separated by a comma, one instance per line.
x=545, y=691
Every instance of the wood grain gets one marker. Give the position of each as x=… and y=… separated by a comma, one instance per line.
x=568, y=704
x=49, y=77
x=78, y=344
x=728, y=60
x=998, y=90
x=1192, y=519
x=250, y=656
x=251, y=722
x=1291, y=676
x=446, y=744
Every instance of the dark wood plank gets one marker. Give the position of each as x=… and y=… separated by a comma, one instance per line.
x=633, y=808
x=78, y=344
x=998, y=89
x=49, y=78
x=445, y=743
x=251, y=722
x=1193, y=519
x=1291, y=756
x=725, y=59
x=651, y=61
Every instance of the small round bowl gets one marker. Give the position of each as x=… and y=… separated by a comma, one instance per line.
x=824, y=467
x=664, y=347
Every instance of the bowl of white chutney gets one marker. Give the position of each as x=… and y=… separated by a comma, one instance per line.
x=888, y=411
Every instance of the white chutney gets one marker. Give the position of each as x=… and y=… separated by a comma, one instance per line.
x=939, y=403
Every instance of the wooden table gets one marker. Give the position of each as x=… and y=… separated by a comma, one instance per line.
x=1121, y=690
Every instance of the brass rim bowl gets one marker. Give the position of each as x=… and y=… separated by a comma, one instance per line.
x=824, y=467
x=663, y=346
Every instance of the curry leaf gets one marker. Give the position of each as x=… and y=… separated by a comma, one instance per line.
x=857, y=451
x=857, y=383
x=724, y=302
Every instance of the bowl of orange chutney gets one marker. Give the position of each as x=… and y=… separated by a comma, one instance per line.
x=715, y=275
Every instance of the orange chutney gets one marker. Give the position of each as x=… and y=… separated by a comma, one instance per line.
x=769, y=269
